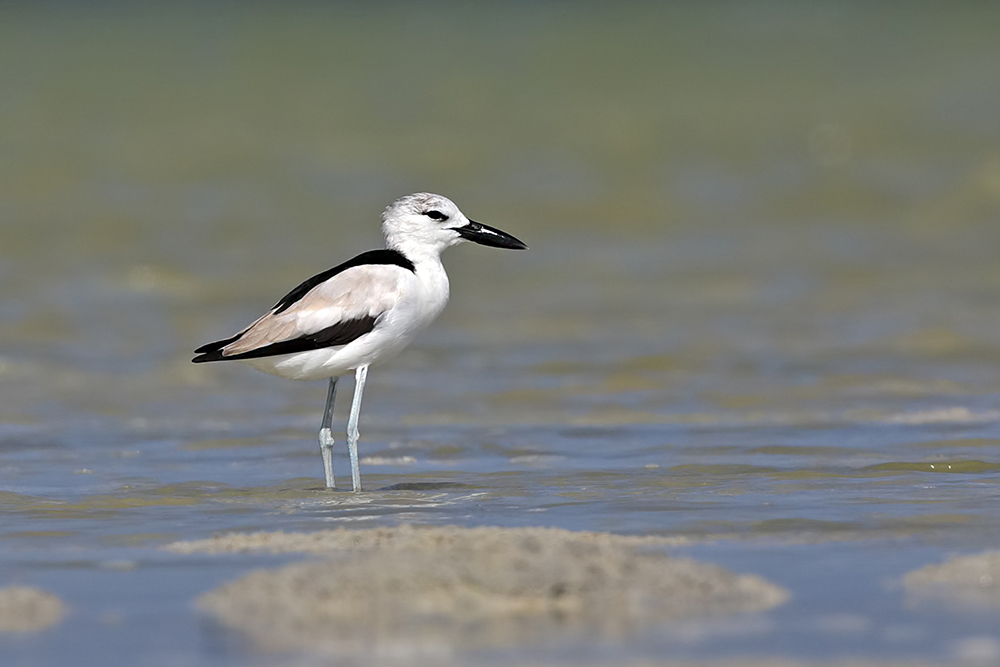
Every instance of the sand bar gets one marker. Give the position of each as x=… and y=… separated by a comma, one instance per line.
x=28, y=609
x=435, y=590
x=971, y=581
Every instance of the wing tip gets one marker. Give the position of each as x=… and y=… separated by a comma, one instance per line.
x=213, y=351
x=214, y=355
x=210, y=352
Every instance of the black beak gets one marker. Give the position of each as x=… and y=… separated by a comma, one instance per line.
x=491, y=236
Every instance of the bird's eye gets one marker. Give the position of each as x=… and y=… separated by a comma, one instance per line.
x=436, y=215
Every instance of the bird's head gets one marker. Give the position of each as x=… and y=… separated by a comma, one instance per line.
x=424, y=223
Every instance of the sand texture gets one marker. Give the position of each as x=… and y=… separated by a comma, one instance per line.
x=28, y=609
x=400, y=538
x=962, y=580
x=434, y=590
x=742, y=662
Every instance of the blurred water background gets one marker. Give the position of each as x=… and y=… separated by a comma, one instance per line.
x=761, y=307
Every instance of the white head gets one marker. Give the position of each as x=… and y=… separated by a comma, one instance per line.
x=425, y=224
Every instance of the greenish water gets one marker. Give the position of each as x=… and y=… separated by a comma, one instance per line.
x=761, y=307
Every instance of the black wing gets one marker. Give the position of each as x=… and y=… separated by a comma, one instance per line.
x=340, y=333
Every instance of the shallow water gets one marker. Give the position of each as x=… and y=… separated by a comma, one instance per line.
x=760, y=309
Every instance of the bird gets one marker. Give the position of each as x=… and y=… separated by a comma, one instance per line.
x=360, y=312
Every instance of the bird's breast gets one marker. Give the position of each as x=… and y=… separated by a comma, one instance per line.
x=425, y=298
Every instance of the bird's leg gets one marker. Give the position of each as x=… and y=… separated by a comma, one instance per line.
x=352, y=425
x=326, y=435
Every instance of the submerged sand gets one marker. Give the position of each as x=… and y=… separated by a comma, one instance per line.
x=740, y=662
x=434, y=590
x=404, y=538
x=28, y=609
x=962, y=580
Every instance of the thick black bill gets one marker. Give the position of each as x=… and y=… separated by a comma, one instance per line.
x=491, y=236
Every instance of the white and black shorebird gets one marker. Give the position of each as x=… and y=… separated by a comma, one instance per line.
x=363, y=311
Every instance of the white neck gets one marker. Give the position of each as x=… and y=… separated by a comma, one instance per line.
x=416, y=252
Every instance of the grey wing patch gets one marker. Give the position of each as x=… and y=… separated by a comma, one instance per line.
x=336, y=312
x=340, y=333
x=372, y=257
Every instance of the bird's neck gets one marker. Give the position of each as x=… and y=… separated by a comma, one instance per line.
x=430, y=274
x=418, y=253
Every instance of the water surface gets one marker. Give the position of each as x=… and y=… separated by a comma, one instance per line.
x=759, y=310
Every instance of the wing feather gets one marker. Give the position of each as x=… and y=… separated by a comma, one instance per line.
x=333, y=312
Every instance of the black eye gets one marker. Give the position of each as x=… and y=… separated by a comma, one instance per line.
x=436, y=215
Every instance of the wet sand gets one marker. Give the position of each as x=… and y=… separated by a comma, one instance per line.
x=967, y=581
x=29, y=609
x=431, y=591
x=752, y=662
x=405, y=538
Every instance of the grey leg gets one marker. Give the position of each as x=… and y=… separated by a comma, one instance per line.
x=326, y=436
x=352, y=425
